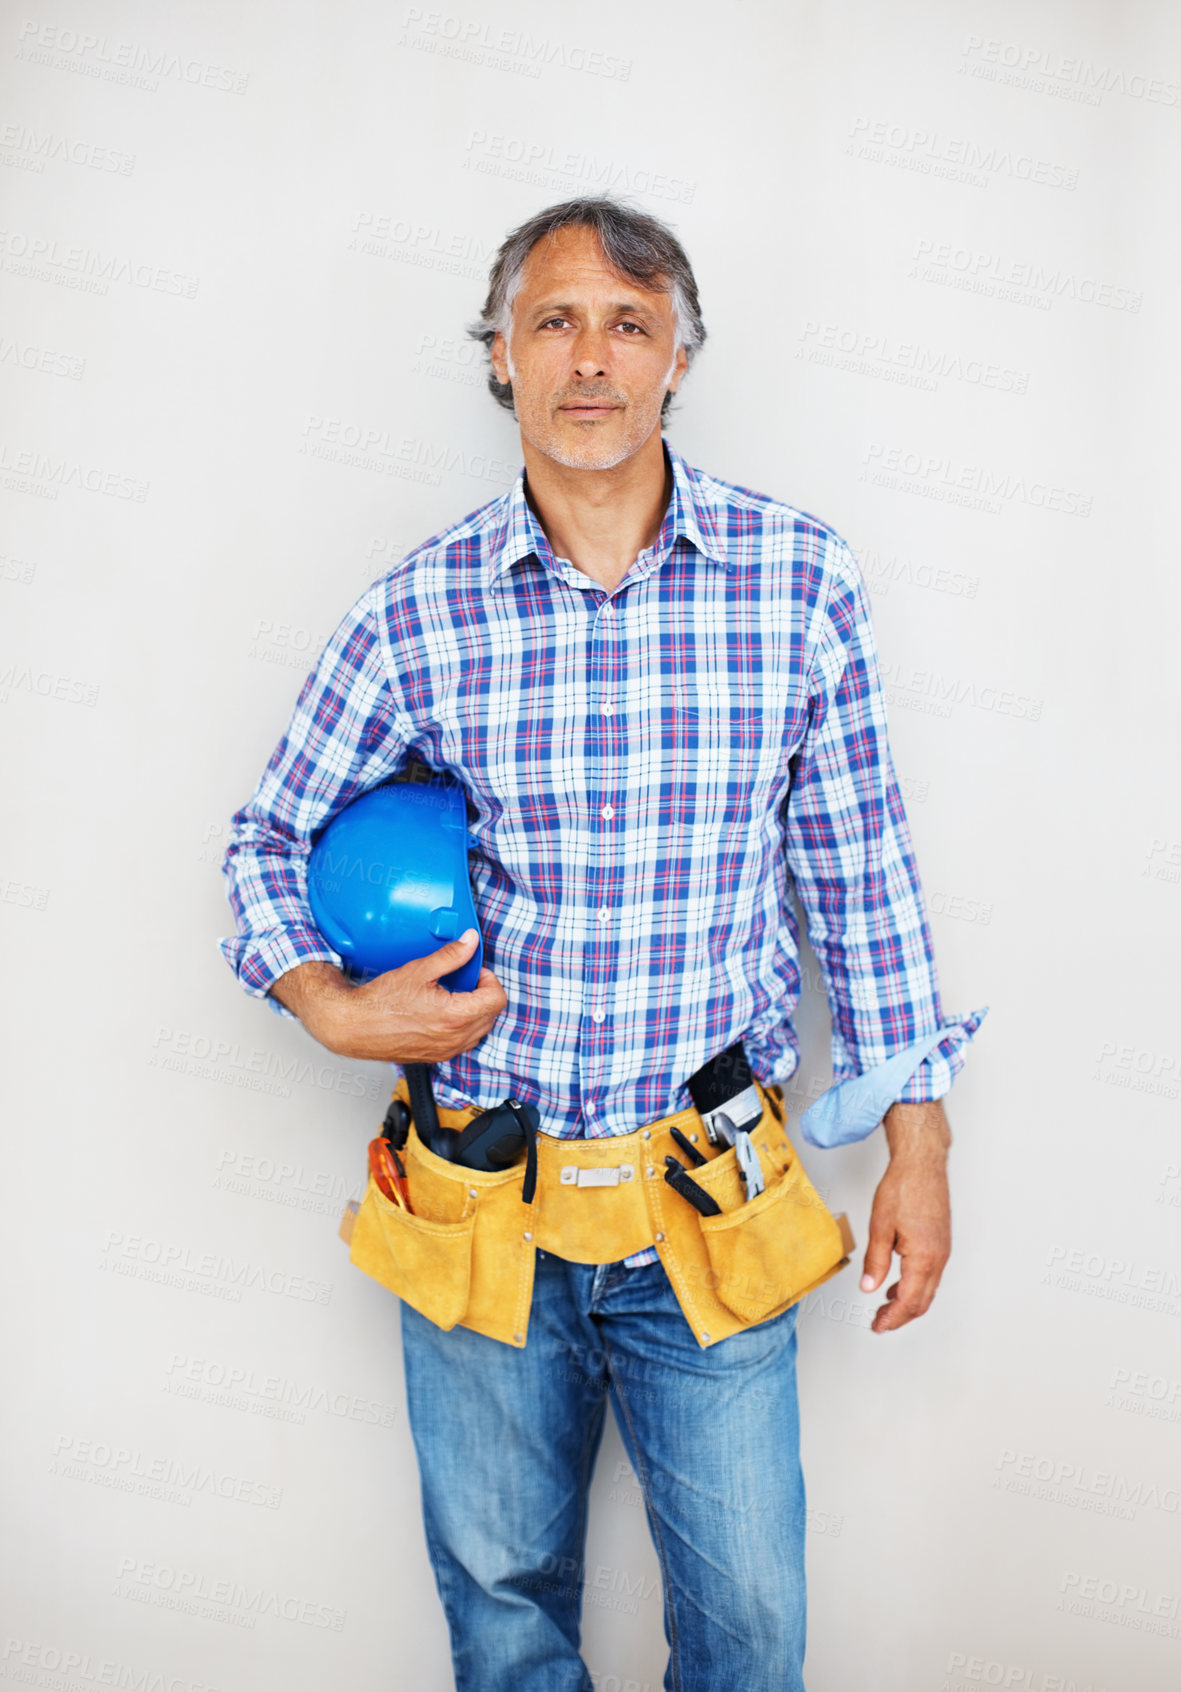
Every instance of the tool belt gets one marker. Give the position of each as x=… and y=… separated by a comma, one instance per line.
x=465, y=1252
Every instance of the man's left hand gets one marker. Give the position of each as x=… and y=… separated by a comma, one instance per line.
x=911, y=1214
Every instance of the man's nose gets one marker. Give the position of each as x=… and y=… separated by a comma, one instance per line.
x=590, y=357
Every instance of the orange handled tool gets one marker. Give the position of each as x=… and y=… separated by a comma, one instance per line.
x=389, y=1172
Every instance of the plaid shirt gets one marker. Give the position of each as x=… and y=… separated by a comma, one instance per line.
x=629, y=755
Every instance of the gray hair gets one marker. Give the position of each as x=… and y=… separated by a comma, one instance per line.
x=637, y=246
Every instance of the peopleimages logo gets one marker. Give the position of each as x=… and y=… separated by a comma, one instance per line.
x=75, y=1669
x=17, y=570
x=1164, y=859
x=956, y=157
x=203, y=1057
x=1067, y=76
x=1020, y=281
x=1142, y=1608
x=1061, y=1480
x=46, y=361
x=1145, y=1394
x=889, y=358
x=976, y=1671
x=125, y=62
x=426, y=246
x=962, y=906
x=1118, y=1280
x=361, y=447
x=23, y=893
x=936, y=695
x=286, y=644
x=516, y=50
x=46, y=684
x=934, y=475
x=194, y=1593
x=174, y=1264
x=540, y=163
x=278, y=1398
x=175, y=1479
x=30, y=149
x=1139, y=1069
x=47, y=259
x=882, y=571
x=25, y=470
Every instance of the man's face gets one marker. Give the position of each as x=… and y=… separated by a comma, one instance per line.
x=590, y=357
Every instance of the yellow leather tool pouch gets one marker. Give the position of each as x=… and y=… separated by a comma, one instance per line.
x=758, y=1257
x=466, y=1253
x=766, y=1254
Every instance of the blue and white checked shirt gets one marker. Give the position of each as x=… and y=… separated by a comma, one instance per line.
x=628, y=757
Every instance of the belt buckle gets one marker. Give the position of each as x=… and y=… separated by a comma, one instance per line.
x=572, y=1176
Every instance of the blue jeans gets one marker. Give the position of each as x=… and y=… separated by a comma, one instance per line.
x=507, y=1439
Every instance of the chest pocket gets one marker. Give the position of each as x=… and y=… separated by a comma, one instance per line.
x=714, y=757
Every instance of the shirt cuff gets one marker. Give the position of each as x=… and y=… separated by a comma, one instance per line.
x=934, y=1076
x=919, y=1074
x=259, y=961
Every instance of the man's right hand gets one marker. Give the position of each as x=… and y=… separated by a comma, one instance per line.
x=404, y=1016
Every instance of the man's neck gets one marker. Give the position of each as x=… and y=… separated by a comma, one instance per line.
x=601, y=520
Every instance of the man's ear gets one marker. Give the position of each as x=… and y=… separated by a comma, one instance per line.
x=499, y=355
x=679, y=369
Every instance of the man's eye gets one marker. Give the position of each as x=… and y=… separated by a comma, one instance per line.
x=551, y=321
x=636, y=326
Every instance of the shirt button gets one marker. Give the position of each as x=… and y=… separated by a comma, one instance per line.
x=604, y=913
x=598, y=1016
x=608, y=811
x=608, y=707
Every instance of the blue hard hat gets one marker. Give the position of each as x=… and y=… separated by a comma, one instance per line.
x=388, y=879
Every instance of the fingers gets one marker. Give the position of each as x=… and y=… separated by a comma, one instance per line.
x=478, y=1007
x=911, y=1216
x=879, y=1250
x=408, y=1015
x=911, y=1294
x=451, y=956
x=486, y=986
x=489, y=995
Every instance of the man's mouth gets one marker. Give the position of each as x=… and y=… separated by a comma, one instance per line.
x=588, y=408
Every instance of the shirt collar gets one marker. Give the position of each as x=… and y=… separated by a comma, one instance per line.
x=689, y=516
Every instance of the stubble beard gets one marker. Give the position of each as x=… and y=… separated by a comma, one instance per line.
x=548, y=437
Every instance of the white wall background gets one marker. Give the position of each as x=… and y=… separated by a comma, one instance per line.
x=938, y=256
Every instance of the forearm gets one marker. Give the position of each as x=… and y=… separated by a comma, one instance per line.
x=314, y=992
x=404, y=1016
x=353, y=1020
x=918, y=1130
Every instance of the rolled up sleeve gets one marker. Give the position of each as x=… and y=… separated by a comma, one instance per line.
x=852, y=861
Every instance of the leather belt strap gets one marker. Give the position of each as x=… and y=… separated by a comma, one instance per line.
x=590, y=1205
x=465, y=1251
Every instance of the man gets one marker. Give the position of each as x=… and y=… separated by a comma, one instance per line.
x=660, y=693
